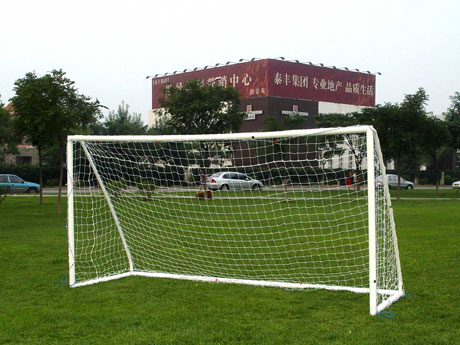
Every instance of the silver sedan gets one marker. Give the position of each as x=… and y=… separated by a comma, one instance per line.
x=229, y=180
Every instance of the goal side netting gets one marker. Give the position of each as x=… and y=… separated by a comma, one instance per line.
x=293, y=209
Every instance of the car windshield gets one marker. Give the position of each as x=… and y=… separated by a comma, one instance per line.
x=217, y=174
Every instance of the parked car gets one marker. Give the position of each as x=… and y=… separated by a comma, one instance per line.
x=17, y=184
x=456, y=185
x=229, y=180
x=393, y=182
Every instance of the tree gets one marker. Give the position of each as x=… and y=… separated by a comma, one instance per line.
x=122, y=122
x=404, y=132
x=48, y=109
x=436, y=138
x=400, y=128
x=352, y=142
x=201, y=109
x=292, y=121
x=8, y=139
x=281, y=148
x=31, y=117
x=452, y=118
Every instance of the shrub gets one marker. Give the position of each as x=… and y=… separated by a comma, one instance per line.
x=52, y=182
x=116, y=188
x=423, y=180
x=146, y=187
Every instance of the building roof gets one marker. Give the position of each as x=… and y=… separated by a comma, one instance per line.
x=257, y=59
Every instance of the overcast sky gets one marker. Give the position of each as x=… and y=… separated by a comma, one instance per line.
x=109, y=47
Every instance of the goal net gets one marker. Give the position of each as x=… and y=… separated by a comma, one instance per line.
x=293, y=209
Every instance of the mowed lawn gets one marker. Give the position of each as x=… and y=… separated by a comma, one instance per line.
x=313, y=238
x=38, y=307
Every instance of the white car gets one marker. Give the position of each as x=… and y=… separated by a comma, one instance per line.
x=230, y=180
x=456, y=185
x=393, y=182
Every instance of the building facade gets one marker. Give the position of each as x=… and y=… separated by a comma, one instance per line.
x=279, y=88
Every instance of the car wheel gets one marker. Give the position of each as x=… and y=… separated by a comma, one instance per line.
x=224, y=187
x=256, y=187
x=32, y=190
x=410, y=187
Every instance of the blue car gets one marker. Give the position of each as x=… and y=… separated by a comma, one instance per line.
x=17, y=184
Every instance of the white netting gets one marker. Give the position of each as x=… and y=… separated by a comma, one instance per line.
x=282, y=209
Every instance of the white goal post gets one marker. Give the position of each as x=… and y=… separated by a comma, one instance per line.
x=293, y=209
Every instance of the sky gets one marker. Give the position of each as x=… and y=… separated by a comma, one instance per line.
x=109, y=47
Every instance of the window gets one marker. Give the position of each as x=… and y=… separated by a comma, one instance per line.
x=15, y=179
x=4, y=179
x=234, y=176
x=23, y=159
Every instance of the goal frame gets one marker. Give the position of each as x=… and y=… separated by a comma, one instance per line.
x=373, y=148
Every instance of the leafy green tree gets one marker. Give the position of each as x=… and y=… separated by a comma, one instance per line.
x=31, y=116
x=293, y=121
x=48, y=109
x=402, y=130
x=8, y=139
x=352, y=142
x=452, y=118
x=336, y=120
x=122, y=122
x=399, y=126
x=201, y=109
x=277, y=151
x=435, y=143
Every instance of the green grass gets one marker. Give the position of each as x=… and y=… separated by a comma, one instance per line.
x=37, y=307
x=241, y=235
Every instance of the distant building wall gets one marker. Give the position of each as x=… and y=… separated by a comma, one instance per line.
x=337, y=108
x=28, y=154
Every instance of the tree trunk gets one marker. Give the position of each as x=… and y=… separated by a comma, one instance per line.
x=61, y=173
x=285, y=182
x=40, y=174
x=437, y=183
x=436, y=173
x=398, y=169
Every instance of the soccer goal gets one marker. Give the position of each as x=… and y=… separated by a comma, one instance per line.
x=293, y=209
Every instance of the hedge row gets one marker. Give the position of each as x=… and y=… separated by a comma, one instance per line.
x=175, y=175
x=30, y=173
x=429, y=177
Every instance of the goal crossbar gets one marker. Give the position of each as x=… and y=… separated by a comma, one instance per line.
x=225, y=136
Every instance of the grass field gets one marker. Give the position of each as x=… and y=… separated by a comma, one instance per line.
x=313, y=238
x=37, y=307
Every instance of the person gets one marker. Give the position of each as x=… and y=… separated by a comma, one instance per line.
x=203, y=180
x=203, y=192
x=356, y=181
x=349, y=180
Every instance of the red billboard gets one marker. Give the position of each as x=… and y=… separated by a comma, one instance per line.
x=277, y=78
